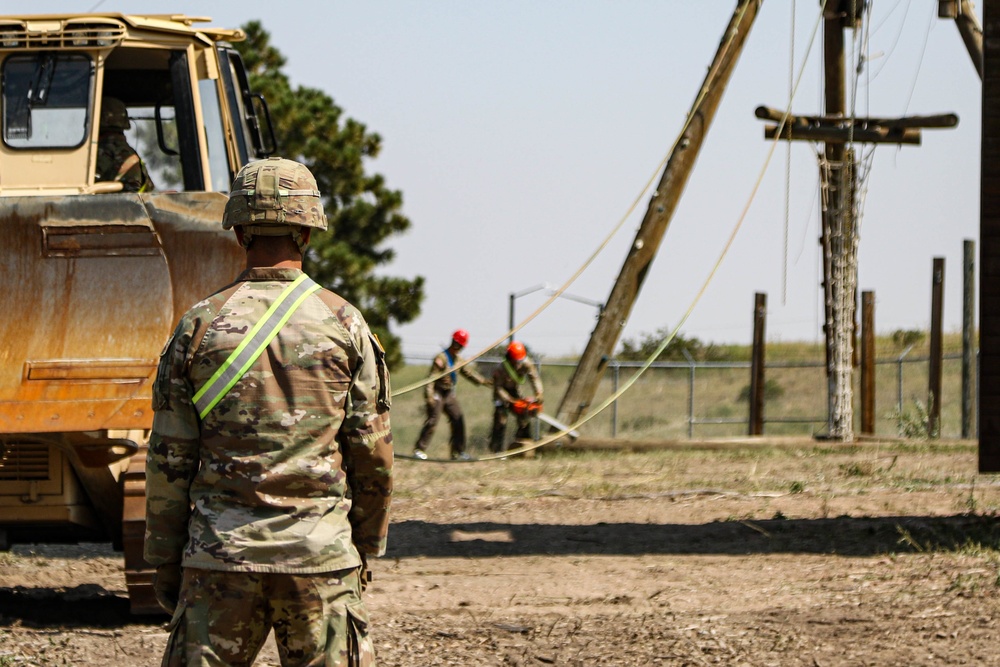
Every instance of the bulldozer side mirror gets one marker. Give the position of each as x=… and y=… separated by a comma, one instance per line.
x=264, y=142
x=161, y=135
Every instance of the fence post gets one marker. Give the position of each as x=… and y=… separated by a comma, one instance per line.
x=536, y=423
x=756, y=426
x=868, y=363
x=691, y=368
x=614, y=405
x=934, y=372
x=899, y=379
x=968, y=331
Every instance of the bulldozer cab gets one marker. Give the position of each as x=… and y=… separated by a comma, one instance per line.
x=193, y=119
x=96, y=274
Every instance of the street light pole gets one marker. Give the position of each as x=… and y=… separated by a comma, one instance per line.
x=514, y=296
x=510, y=318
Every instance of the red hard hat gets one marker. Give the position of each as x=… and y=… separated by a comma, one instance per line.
x=516, y=351
x=461, y=337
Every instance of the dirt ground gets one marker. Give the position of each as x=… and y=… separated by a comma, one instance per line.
x=799, y=555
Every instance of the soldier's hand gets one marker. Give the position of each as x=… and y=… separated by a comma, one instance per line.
x=167, y=586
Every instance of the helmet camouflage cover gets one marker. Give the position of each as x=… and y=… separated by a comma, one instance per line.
x=276, y=193
x=114, y=115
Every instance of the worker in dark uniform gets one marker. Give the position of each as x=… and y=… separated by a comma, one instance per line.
x=440, y=397
x=509, y=396
x=116, y=159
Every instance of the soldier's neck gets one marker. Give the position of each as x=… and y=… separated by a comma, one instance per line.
x=273, y=259
x=278, y=252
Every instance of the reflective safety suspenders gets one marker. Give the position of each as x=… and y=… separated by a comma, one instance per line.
x=253, y=345
x=514, y=374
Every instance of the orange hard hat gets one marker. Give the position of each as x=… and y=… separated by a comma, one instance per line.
x=460, y=337
x=516, y=351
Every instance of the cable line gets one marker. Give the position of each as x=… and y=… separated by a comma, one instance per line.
x=666, y=341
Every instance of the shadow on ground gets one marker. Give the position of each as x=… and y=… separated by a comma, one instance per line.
x=845, y=536
x=87, y=605
x=90, y=605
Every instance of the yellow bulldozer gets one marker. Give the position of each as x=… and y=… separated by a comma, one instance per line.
x=93, y=277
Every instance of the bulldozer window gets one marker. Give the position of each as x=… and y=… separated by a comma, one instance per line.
x=145, y=81
x=46, y=100
x=221, y=176
x=154, y=136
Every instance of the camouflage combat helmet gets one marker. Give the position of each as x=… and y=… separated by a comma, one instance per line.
x=114, y=115
x=272, y=197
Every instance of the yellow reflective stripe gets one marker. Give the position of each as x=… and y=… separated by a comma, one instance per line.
x=513, y=374
x=273, y=320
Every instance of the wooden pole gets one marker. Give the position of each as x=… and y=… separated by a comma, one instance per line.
x=868, y=363
x=936, y=359
x=968, y=334
x=835, y=105
x=838, y=237
x=757, y=365
x=839, y=228
x=583, y=385
x=989, y=246
x=968, y=28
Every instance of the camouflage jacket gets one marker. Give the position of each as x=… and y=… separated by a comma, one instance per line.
x=446, y=383
x=117, y=161
x=292, y=470
x=508, y=379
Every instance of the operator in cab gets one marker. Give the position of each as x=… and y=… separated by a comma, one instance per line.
x=116, y=159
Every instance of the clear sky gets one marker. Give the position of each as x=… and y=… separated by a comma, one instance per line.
x=520, y=132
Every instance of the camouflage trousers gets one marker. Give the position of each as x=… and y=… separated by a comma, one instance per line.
x=223, y=619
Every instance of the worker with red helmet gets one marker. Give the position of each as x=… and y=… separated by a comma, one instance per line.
x=440, y=397
x=508, y=395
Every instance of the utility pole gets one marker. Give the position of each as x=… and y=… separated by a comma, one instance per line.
x=839, y=232
x=839, y=237
x=583, y=384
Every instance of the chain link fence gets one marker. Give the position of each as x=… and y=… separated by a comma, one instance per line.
x=711, y=399
x=701, y=399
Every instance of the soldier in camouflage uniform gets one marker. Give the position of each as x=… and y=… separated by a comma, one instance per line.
x=508, y=380
x=267, y=488
x=116, y=160
x=439, y=396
